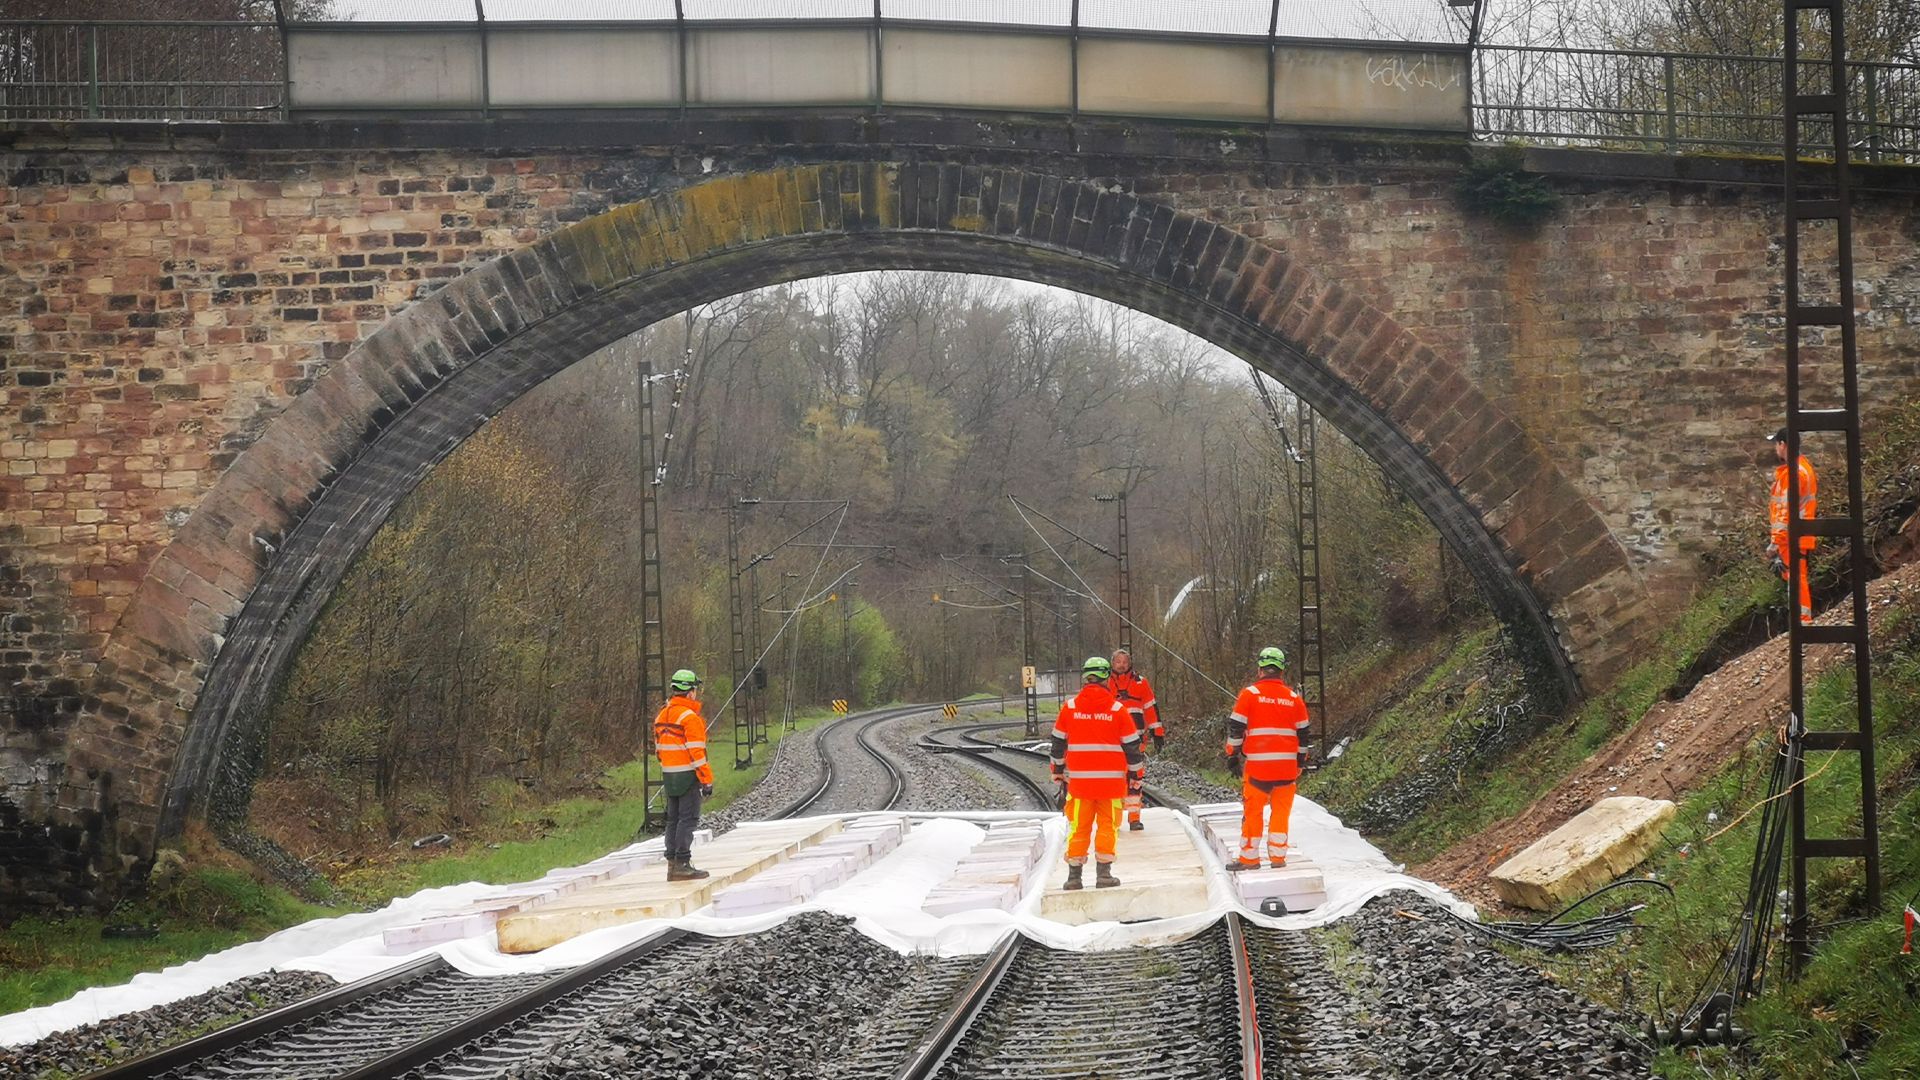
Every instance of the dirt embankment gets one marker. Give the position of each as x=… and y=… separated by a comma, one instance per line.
x=1674, y=749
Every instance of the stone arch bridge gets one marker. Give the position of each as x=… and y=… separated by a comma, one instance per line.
x=229, y=351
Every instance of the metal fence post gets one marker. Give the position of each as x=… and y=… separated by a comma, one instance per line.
x=1872, y=140
x=879, y=61
x=1673, y=120
x=1073, y=62
x=93, y=70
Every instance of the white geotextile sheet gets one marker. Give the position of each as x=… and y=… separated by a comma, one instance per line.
x=883, y=901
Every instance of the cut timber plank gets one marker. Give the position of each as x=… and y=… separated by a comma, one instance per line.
x=1160, y=871
x=1598, y=845
x=645, y=894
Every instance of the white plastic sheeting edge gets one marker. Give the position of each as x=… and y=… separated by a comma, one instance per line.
x=883, y=901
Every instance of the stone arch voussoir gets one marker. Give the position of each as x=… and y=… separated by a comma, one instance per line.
x=225, y=606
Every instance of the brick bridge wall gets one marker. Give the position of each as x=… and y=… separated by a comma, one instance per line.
x=1578, y=407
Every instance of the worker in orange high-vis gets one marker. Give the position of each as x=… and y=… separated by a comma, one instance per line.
x=1777, y=518
x=680, y=740
x=1096, y=758
x=1266, y=746
x=1136, y=694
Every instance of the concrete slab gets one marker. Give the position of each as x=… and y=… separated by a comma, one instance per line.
x=645, y=894
x=1161, y=875
x=1598, y=845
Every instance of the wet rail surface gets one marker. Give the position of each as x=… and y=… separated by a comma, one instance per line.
x=856, y=773
x=1019, y=772
x=1185, y=1011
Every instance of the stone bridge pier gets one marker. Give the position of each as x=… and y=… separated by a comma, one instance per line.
x=230, y=350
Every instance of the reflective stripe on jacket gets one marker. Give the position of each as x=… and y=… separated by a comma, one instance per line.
x=1136, y=693
x=1777, y=509
x=1096, y=745
x=680, y=739
x=1266, y=727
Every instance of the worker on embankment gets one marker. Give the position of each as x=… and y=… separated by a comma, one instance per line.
x=1266, y=746
x=1777, y=518
x=1096, y=757
x=1136, y=694
x=680, y=741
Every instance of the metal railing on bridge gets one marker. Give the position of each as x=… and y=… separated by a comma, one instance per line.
x=1222, y=69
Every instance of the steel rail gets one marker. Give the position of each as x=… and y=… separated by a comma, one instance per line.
x=193, y=1051
x=1251, y=1064
x=827, y=774
x=983, y=754
x=513, y=1009
x=940, y=1041
x=931, y=1053
x=1155, y=795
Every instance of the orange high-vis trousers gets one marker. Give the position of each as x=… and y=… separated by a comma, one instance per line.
x=1095, y=821
x=1264, y=814
x=1806, y=590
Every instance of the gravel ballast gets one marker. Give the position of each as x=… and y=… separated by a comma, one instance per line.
x=1400, y=989
x=86, y=1049
x=787, y=1003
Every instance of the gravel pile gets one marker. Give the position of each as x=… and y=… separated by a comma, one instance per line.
x=86, y=1049
x=791, y=1002
x=1428, y=998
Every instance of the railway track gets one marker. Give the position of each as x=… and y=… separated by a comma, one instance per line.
x=841, y=789
x=1155, y=795
x=983, y=752
x=1033, y=1013
x=423, y=1019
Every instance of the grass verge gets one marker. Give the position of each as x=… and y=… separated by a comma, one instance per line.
x=217, y=902
x=1467, y=749
x=1857, y=1009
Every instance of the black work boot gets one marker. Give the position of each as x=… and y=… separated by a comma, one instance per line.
x=1136, y=825
x=1105, y=879
x=683, y=870
x=1073, y=878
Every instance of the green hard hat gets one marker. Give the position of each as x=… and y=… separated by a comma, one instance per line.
x=1273, y=658
x=684, y=679
x=1098, y=667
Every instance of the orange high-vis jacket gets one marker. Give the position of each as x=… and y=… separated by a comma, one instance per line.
x=1267, y=724
x=1096, y=745
x=1136, y=693
x=680, y=739
x=1777, y=511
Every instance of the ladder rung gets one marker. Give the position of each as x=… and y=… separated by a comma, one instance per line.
x=1803, y=104
x=1822, y=420
x=1850, y=848
x=1842, y=634
x=1816, y=315
x=1832, y=740
x=1827, y=526
x=1816, y=209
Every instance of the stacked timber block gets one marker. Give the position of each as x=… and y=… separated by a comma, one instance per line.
x=1299, y=885
x=480, y=915
x=646, y=894
x=1598, y=845
x=1161, y=875
x=812, y=871
x=994, y=874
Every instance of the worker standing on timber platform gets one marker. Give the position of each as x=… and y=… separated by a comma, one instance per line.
x=680, y=740
x=1777, y=518
x=1136, y=694
x=1266, y=745
x=1096, y=757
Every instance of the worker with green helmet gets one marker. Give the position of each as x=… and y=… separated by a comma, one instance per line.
x=1096, y=760
x=680, y=741
x=1266, y=745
